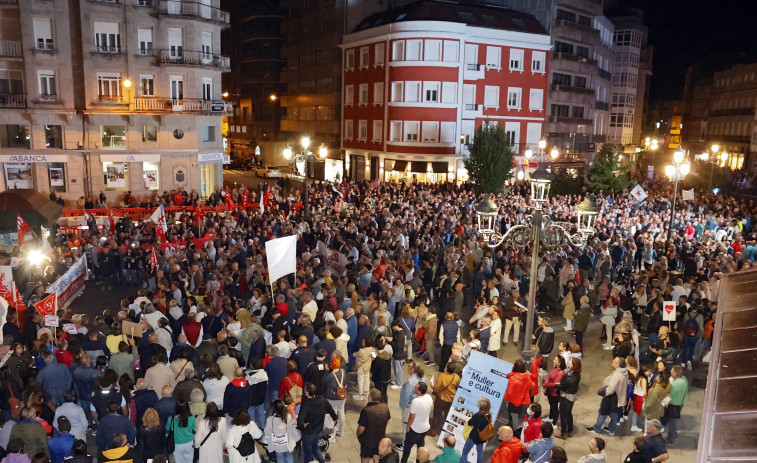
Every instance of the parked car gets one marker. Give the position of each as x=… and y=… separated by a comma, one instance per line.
x=268, y=172
x=239, y=164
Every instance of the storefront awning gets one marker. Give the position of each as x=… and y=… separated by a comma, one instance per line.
x=440, y=167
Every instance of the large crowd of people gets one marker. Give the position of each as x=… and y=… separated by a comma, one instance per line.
x=208, y=357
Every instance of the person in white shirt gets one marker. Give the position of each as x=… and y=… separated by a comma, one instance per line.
x=418, y=422
x=282, y=344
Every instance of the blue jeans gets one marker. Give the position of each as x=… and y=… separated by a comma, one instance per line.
x=672, y=430
x=284, y=457
x=467, y=448
x=398, y=373
x=689, y=345
x=310, y=448
x=601, y=421
x=257, y=413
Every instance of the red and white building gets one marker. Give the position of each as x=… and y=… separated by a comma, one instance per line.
x=418, y=80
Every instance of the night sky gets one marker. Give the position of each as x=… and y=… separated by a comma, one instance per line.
x=712, y=33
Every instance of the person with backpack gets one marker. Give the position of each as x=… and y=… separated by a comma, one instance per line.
x=335, y=387
x=291, y=385
x=310, y=422
x=240, y=439
x=481, y=430
x=693, y=331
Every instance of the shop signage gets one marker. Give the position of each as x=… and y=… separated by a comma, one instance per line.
x=226, y=159
x=34, y=158
x=210, y=157
x=257, y=151
x=217, y=106
x=129, y=158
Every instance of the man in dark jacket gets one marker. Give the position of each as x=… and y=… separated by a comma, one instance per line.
x=144, y=398
x=303, y=356
x=310, y=422
x=399, y=352
x=386, y=453
x=31, y=433
x=276, y=369
x=111, y=425
x=257, y=348
x=237, y=394
x=316, y=371
x=147, y=351
x=166, y=406
x=184, y=388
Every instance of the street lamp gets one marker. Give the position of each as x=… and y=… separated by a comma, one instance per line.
x=715, y=148
x=677, y=171
x=539, y=230
x=305, y=156
x=554, y=154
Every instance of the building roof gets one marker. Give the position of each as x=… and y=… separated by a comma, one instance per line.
x=469, y=12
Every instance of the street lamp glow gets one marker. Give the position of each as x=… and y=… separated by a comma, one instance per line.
x=323, y=151
x=288, y=153
x=225, y=94
x=554, y=153
x=35, y=257
x=678, y=157
x=724, y=156
x=127, y=83
x=654, y=145
x=542, y=144
x=273, y=97
x=685, y=168
x=670, y=171
x=305, y=142
x=704, y=156
x=529, y=154
x=715, y=148
x=520, y=175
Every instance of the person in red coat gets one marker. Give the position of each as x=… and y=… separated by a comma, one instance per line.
x=518, y=394
x=290, y=380
x=551, y=387
x=62, y=355
x=510, y=447
x=532, y=425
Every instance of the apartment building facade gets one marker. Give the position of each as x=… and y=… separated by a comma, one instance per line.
x=419, y=80
x=111, y=96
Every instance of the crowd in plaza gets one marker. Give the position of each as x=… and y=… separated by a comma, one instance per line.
x=392, y=281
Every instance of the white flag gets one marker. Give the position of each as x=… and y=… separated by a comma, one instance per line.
x=281, y=255
x=46, y=248
x=688, y=195
x=160, y=218
x=639, y=193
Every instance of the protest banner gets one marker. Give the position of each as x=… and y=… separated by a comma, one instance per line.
x=669, y=311
x=71, y=284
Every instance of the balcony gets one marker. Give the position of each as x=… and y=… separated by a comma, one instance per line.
x=194, y=58
x=48, y=98
x=604, y=74
x=572, y=89
x=575, y=32
x=111, y=100
x=572, y=57
x=602, y=106
x=186, y=105
x=108, y=50
x=193, y=10
x=13, y=101
x=570, y=120
x=44, y=46
x=10, y=49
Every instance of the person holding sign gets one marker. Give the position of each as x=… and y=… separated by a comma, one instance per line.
x=475, y=425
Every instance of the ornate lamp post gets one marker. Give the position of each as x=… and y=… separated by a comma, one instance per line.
x=306, y=156
x=539, y=230
x=677, y=171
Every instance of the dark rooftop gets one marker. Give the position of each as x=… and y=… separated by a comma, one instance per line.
x=470, y=12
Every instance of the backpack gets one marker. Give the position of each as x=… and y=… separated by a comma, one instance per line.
x=690, y=327
x=246, y=446
x=341, y=391
x=295, y=393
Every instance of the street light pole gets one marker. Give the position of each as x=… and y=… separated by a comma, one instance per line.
x=676, y=172
x=531, y=308
x=673, y=211
x=306, y=156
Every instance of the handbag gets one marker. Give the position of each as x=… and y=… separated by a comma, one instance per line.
x=15, y=403
x=197, y=449
x=602, y=391
x=170, y=442
x=182, y=369
x=488, y=432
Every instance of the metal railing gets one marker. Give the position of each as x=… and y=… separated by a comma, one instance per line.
x=471, y=107
x=145, y=52
x=472, y=67
x=197, y=10
x=13, y=101
x=572, y=57
x=110, y=99
x=572, y=89
x=184, y=105
x=44, y=46
x=48, y=98
x=11, y=48
x=112, y=2
x=108, y=49
x=194, y=58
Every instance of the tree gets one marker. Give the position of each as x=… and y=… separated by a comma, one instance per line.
x=490, y=159
x=607, y=174
x=565, y=183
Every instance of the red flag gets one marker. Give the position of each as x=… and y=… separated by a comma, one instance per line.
x=6, y=284
x=199, y=215
x=23, y=228
x=48, y=305
x=229, y=202
x=153, y=260
x=112, y=222
x=244, y=198
x=267, y=195
x=18, y=301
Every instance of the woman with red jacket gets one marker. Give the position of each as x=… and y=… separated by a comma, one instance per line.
x=518, y=394
x=551, y=389
x=291, y=380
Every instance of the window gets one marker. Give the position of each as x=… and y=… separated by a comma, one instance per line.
x=349, y=94
x=348, y=129
x=175, y=44
x=149, y=133
x=47, y=88
x=560, y=110
x=378, y=127
x=537, y=62
x=177, y=87
x=14, y=136
x=147, y=85
x=54, y=137
x=11, y=82
x=583, y=52
x=113, y=136
x=562, y=47
x=471, y=57
x=512, y=133
x=362, y=131
x=208, y=133
x=144, y=37
x=349, y=60
x=363, y=94
x=207, y=88
x=449, y=92
x=411, y=130
x=431, y=92
x=43, y=34
x=206, y=46
x=577, y=112
x=378, y=57
x=516, y=59
x=395, y=131
x=491, y=97
x=430, y=131
x=398, y=50
x=533, y=133
x=469, y=96
x=433, y=50
x=579, y=81
x=109, y=86
x=451, y=48
x=494, y=58
x=378, y=93
x=107, y=38
x=397, y=88
x=448, y=132
x=412, y=92
x=513, y=98
x=413, y=52
x=561, y=79
x=584, y=21
x=536, y=99
x=616, y=120
x=365, y=57
x=563, y=15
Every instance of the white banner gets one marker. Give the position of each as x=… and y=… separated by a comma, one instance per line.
x=669, y=311
x=688, y=195
x=71, y=284
x=281, y=255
